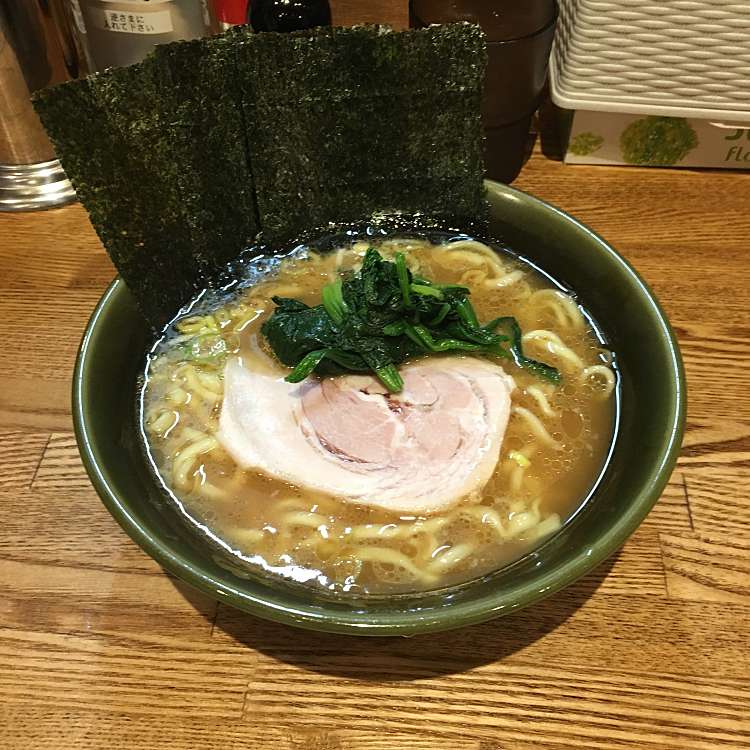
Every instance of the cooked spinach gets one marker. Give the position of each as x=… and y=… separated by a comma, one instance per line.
x=374, y=320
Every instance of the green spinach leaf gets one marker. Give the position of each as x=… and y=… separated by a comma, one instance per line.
x=375, y=320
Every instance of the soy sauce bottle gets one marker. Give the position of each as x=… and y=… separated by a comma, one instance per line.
x=288, y=15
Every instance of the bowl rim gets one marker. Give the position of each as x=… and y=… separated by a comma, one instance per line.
x=313, y=615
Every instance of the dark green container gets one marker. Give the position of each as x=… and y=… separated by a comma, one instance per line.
x=649, y=436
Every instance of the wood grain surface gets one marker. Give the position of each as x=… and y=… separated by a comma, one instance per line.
x=351, y=12
x=99, y=648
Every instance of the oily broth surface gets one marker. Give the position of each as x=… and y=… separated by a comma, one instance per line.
x=553, y=451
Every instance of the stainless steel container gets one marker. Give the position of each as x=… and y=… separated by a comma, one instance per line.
x=34, y=52
x=121, y=32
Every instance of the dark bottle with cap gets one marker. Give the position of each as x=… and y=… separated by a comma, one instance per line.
x=288, y=15
x=519, y=37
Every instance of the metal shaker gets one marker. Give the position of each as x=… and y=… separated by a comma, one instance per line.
x=34, y=52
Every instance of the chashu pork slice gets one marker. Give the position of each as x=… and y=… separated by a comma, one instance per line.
x=416, y=452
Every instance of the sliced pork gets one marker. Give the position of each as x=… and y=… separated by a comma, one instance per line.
x=415, y=452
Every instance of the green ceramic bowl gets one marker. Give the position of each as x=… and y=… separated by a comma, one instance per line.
x=649, y=436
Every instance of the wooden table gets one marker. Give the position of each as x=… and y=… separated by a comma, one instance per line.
x=101, y=649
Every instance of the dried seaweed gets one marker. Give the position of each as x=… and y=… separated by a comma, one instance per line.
x=182, y=159
x=106, y=158
x=359, y=120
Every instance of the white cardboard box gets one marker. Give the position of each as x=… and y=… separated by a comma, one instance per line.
x=646, y=140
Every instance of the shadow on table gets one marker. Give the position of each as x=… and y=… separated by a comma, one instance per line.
x=417, y=657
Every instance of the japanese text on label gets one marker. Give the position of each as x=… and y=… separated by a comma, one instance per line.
x=159, y=22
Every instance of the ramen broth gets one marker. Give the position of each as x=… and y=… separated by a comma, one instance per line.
x=553, y=451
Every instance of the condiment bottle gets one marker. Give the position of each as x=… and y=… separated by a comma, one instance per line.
x=32, y=55
x=120, y=32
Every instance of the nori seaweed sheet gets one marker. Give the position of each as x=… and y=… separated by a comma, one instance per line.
x=206, y=131
x=120, y=193
x=131, y=98
x=363, y=120
x=209, y=146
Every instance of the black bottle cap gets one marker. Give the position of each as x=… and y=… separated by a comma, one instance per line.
x=288, y=15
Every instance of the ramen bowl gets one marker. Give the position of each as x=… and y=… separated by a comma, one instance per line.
x=643, y=454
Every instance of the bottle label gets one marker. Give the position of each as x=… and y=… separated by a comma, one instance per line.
x=126, y=22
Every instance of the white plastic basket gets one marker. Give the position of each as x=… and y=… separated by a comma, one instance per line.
x=684, y=58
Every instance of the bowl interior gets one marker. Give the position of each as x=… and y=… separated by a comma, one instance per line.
x=648, y=440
